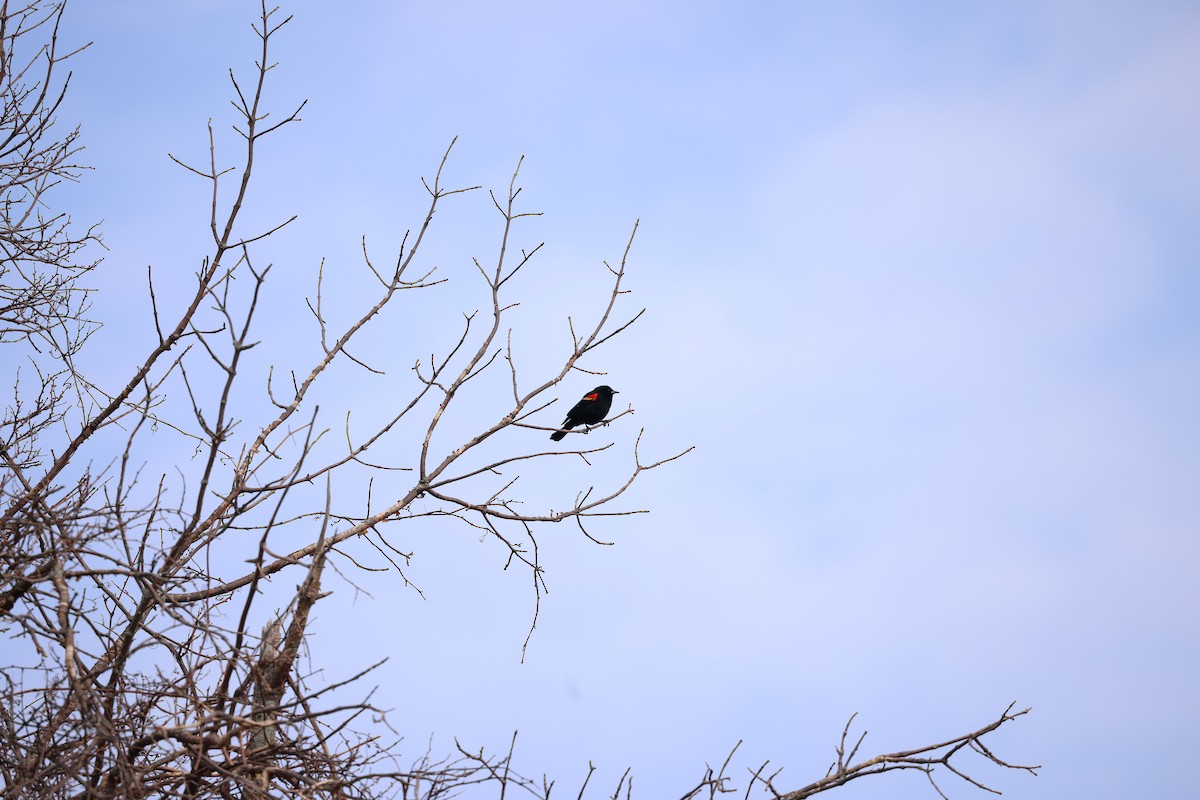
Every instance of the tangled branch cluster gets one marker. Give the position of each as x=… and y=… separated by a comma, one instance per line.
x=132, y=675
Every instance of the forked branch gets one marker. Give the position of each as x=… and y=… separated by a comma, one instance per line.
x=922, y=759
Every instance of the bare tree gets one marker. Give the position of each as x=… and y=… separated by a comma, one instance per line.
x=138, y=670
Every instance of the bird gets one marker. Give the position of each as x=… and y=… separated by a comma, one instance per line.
x=591, y=409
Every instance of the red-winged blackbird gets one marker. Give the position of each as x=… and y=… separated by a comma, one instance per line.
x=591, y=409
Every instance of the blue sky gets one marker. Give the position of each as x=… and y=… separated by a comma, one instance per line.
x=922, y=287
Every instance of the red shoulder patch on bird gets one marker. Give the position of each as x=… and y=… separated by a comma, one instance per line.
x=592, y=396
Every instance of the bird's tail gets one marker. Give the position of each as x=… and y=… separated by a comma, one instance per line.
x=568, y=423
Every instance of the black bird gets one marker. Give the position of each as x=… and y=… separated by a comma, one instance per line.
x=591, y=409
